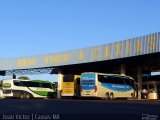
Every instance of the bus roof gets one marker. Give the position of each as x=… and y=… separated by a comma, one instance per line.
x=17, y=79
x=41, y=81
x=110, y=74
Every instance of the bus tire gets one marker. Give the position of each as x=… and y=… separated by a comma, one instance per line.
x=107, y=96
x=111, y=96
x=22, y=96
x=27, y=96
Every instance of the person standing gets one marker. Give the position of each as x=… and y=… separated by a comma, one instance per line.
x=144, y=93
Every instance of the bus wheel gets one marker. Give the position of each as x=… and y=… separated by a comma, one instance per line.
x=22, y=96
x=107, y=96
x=27, y=96
x=111, y=96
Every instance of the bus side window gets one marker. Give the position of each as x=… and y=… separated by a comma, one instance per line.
x=16, y=83
x=130, y=82
x=46, y=85
x=33, y=84
x=23, y=83
x=120, y=80
x=103, y=79
x=112, y=80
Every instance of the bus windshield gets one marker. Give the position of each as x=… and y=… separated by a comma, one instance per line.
x=68, y=78
x=129, y=82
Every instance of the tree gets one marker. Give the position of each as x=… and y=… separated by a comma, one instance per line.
x=24, y=78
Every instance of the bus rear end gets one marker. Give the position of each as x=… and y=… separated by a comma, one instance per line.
x=68, y=85
x=88, y=86
x=7, y=88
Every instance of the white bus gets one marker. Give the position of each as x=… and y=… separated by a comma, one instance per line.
x=1, y=91
x=108, y=86
x=25, y=89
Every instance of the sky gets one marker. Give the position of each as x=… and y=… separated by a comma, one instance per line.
x=35, y=27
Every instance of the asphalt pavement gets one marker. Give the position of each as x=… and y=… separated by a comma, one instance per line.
x=80, y=109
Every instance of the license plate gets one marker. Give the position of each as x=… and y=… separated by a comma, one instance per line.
x=88, y=91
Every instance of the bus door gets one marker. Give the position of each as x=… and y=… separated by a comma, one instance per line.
x=77, y=85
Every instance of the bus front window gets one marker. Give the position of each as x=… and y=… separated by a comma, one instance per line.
x=68, y=78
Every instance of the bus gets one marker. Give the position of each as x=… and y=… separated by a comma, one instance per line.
x=26, y=89
x=107, y=86
x=1, y=91
x=70, y=86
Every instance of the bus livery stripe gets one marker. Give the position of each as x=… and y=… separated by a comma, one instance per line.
x=117, y=87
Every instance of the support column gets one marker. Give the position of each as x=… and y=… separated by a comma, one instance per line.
x=123, y=69
x=60, y=77
x=139, y=80
x=14, y=76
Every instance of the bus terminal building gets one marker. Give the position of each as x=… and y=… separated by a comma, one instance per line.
x=135, y=57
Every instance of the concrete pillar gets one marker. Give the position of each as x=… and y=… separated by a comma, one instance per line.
x=60, y=78
x=14, y=76
x=139, y=80
x=123, y=69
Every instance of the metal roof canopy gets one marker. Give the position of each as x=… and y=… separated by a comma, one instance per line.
x=148, y=45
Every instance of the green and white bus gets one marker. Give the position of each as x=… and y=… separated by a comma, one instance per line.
x=1, y=91
x=26, y=89
x=108, y=86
